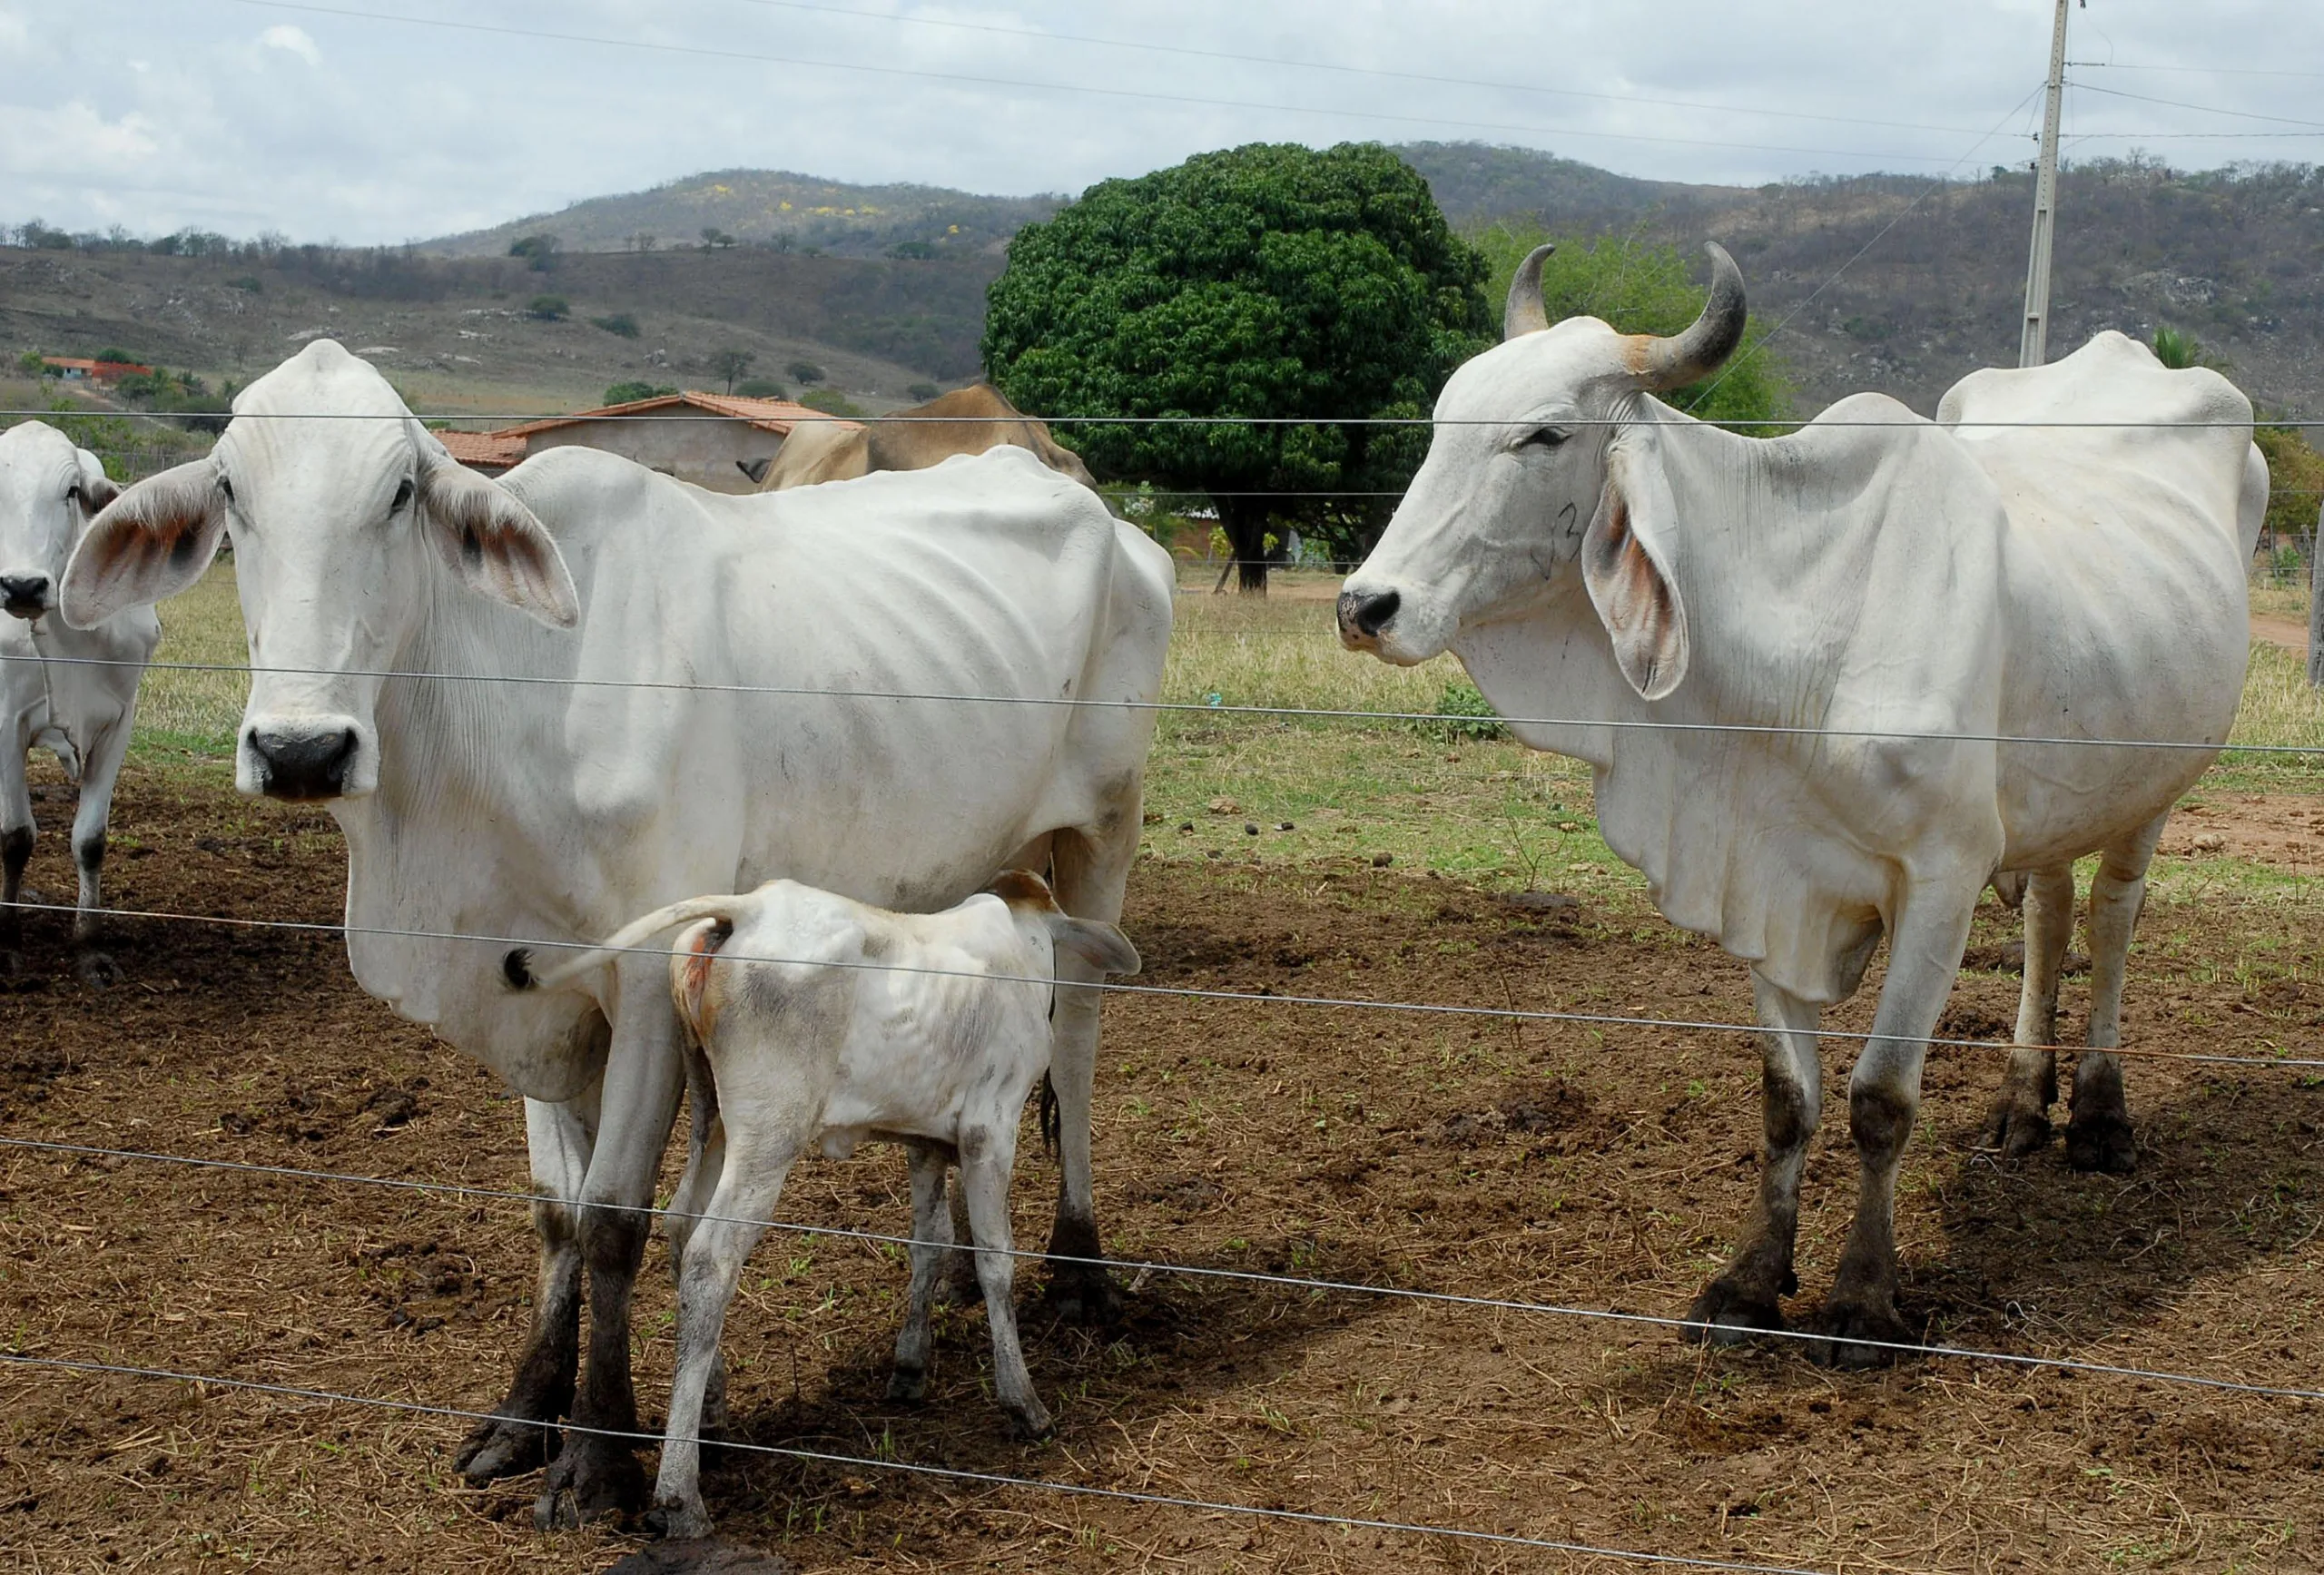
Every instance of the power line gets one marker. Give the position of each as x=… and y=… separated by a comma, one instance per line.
x=2202, y=108
x=1977, y=423
x=1185, y=992
x=1192, y=1271
x=701, y=51
x=948, y=1473
x=2192, y=70
x=1501, y=86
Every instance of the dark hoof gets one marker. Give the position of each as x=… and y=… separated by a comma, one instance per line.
x=97, y=970
x=1858, y=1335
x=592, y=1479
x=1031, y=1427
x=1727, y=1314
x=2013, y=1131
x=501, y=1448
x=1083, y=1294
x=11, y=962
x=908, y=1385
x=2102, y=1143
x=677, y=1523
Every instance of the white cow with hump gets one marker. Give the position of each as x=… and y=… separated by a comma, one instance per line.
x=70, y=691
x=1886, y=596
x=574, y=738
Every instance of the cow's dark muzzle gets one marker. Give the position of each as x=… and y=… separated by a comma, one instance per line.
x=25, y=595
x=1362, y=614
x=301, y=767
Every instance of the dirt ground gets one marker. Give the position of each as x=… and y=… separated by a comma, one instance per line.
x=1597, y=1167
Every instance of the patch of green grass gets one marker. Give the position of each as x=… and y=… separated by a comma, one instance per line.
x=195, y=714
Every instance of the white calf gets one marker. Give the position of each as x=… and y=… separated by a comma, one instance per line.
x=70, y=691
x=831, y=1022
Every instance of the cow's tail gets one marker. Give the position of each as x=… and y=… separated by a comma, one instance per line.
x=516, y=967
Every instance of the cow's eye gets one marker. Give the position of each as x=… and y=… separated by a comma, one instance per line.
x=1546, y=437
x=72, y=493
x=403, y=496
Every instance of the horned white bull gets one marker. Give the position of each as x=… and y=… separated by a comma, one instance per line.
x=1901, y=594
x=540, y=707
x=812, y=1020
x=70, y=691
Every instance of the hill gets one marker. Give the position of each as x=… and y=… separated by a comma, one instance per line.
x=775, y=208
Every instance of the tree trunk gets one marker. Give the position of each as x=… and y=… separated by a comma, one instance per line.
x=1245, y=521
x=2315, y=601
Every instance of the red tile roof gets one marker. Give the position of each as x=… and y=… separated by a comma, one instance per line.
x=776, y=415
x=484, y=450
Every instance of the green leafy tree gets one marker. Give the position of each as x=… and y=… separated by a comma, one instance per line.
x=1638, y=287
x=831, y=403
x=1296, y=293
x=923, y=393
x=761, y=388
x=539, y=251
x=620, y=323
x=625, y=393
x=731, y=363
x=804, y=372
x=712, y=236
x=548, y=308
x=31, y=364
x=2180, y=350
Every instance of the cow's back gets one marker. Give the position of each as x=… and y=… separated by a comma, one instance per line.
x=2131, y=514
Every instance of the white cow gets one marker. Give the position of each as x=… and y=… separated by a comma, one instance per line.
x=72, y=691
x=1590, y=554
x=570, y=739
x=815, y=1021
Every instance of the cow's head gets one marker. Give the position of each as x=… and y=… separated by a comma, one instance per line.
x=49, y=491
x=340, y=508
x=1544, y=455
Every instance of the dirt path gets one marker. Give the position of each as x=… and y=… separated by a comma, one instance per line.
x=1596, y=1167
x=2290, y=634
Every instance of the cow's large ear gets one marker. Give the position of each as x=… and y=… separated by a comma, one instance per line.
x=147, y=544
x=1627, y=556
x=494, y=544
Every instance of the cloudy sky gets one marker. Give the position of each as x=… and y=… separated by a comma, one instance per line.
x=391, y=120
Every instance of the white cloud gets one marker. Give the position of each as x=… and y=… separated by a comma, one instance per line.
x=295, y=41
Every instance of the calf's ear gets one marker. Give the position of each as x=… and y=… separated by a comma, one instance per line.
x=1101, y=946
x=1626, y=562
x=150, y=542
x=494, y=544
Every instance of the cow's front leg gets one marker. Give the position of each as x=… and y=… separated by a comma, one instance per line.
x=2098, y=1134
x=90, y=817
x=522, y=1434
x=597, y=1473
x=1860, y=1317
x=16, y=832
x=1745, y=1297
x=2019, y=1122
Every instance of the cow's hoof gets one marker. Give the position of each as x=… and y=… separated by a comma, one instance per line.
x=678, y=1522
x=504, y=1448
x=1725, y=1313
x=1858, y=1334
x=2014, y=1131
x=591, y=1479
x=11, y=962
x=97, y=970
x=908, y=1385
x=1084, y=1295
x=1030, y=1424
x=2102, y=1143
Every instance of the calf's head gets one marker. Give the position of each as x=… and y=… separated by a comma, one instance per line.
x=345, y=513
x=49, y=491
x=1544, y=455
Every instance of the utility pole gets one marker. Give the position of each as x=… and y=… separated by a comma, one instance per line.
x=2032, y=348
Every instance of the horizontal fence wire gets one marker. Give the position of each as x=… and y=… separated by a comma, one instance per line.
x=1637, y=724
x=1563, y=421
x=1185, y=992
x=943, y=1473
x=1314, y=1286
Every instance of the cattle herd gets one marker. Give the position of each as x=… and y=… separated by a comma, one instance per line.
x=1831, y=685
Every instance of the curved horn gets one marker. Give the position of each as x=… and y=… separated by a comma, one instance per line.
x=1694, y=355
x=1525, y=313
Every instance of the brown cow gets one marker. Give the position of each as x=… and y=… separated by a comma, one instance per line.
x=972, y=419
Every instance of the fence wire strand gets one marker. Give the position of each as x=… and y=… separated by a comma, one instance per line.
x=1310, y=1284
x=912, y=1468
x=1187, y=992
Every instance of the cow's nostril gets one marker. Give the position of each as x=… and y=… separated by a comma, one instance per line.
x=24, y=590
x=1371, y=613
